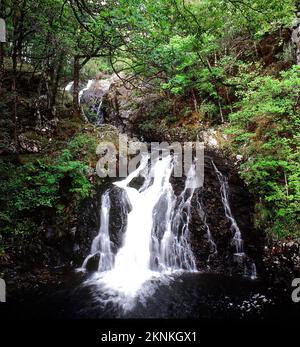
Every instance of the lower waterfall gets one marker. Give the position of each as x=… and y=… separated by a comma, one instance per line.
x=156, y=240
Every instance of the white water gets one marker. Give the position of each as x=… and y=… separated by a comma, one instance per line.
x=253, y=274
x=69, y=86
x=174, y=251
x=101, y=244
x=97, y=90
x=87, y=87
x=101, y=89
x=156, y=241
x=237, y=240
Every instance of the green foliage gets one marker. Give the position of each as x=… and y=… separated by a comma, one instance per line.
x=6, y=123
x=95, y=66
x=267, y=129
x=179, y=57
x=160, y=109
x=209, y=110
x=184, y=38
x=199, y=48
x=147, y=126
x=2, y=250
x=28, y=191
x=83, y=147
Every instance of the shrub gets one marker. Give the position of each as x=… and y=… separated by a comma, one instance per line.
x=267, y=129
x=29, y=191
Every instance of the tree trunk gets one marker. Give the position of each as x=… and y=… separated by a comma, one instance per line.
x=55, y=83
x=15, y=105
x=76, y=75
x=54, y=72
x=50, y=83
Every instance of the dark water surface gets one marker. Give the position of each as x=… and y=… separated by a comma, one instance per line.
x=190, y=295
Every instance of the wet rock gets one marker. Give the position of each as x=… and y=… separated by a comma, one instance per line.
x=49, y=232
x=93, y=263
x=241, y=204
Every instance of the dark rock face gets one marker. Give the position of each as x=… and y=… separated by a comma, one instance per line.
x=242, y=206
x=90, y=221
x=93, y=263
x=272, y=44
x=88, y=225
x=87, y=228
x=120, y=207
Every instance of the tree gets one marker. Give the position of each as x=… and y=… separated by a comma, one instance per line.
x=102, y=29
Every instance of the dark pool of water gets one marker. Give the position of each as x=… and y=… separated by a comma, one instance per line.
x=196, y=295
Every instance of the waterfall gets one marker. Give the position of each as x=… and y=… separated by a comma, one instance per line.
x=237, y=240
x=92, y=95
x=253, y=274
x=87, y=87
x=156, y=240
x=101, y=244
x=99, y=112
x=101, y=89
x=174, y=215
x=156, y=235
x=69, y=86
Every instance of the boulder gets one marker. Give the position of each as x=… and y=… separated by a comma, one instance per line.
x=29, y=145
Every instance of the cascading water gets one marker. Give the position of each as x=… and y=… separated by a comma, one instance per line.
x=101, y=245
x=99, y=113
x=237, y=235
x=253, y=271
x=87, y=87
x=69, y=86
x=92, y=94
x=172, y=227
x=156, y=241
x=237, y=240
